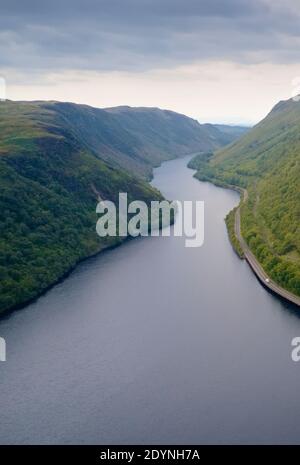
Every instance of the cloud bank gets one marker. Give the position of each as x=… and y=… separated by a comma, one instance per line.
x=140, y=35
x=215, y=60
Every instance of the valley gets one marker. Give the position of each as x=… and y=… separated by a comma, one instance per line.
x=56, y=159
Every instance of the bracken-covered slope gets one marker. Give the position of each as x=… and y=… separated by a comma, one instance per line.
x=266, y=161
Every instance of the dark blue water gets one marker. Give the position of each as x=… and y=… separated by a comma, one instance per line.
x=153, y=342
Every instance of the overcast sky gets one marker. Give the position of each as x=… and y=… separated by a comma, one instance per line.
x=215, y=60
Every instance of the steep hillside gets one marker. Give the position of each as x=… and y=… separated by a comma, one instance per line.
x=163, y=134
x=49, y=186
x=55, y=159
x=136, y=139
x=266, y=161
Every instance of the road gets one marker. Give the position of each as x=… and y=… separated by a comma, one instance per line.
x=255, y=265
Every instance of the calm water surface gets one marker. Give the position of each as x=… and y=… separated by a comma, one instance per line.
x=155, y=343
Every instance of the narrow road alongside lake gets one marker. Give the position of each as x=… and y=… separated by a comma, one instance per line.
x=254, y=263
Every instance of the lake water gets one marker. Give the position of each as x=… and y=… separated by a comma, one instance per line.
x=153, y=342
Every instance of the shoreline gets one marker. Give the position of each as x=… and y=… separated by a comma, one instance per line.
x=264, y=279
x=255, y=265
x=6, y=312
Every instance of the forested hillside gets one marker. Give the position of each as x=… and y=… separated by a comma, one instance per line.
x=49, y=183
x=266, y=161
x=55, y=160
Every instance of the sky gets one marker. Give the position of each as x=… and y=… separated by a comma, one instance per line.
x=224, y=61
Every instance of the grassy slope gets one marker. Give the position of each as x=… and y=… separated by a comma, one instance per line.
x=49, y=183
x=135, y=139
x=267, y=162
x=164, y=134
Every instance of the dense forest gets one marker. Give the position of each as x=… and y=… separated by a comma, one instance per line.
x=48, y=202
x=266, y=161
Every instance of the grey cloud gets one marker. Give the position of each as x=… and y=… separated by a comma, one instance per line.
x=144, y=34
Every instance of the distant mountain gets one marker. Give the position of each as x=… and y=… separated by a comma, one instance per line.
x=136, y=139
x=266, y=161
x=55, y=160
x=234, y=132
x=162, y=134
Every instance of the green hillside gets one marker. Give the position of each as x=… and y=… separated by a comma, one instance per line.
x=134, y=139
x=49, y=184
x=162, y=134
x=55, y=160
x=266, y=161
